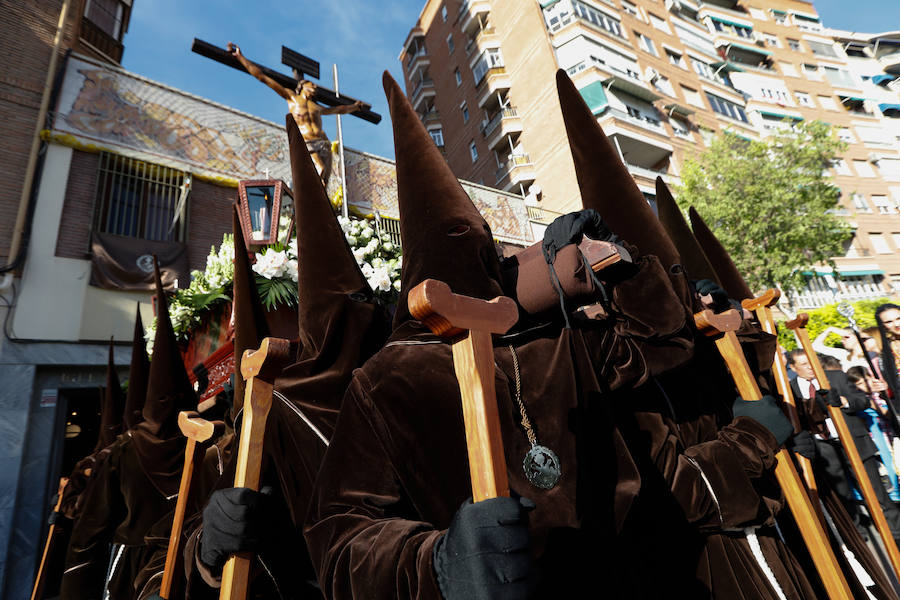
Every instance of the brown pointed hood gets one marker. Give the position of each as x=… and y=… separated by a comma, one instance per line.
x=113, y=404
x=444, y=236
x=169, y=389
x=605, y=183
x=340, y=323
x=137, y=376
x=250, y=325
x=692, y=257
x=729, y=277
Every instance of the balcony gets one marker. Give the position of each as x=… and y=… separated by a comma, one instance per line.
x=417, y=61
x=503, y=124
x=488, y=34
x=637, y=118
x=472, y=13
x=430, y=116
x=890, y=62
x=518, y=169
x=495, y=81
x=101, y=40
x=424, y=89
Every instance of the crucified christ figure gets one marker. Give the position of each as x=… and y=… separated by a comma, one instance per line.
x=307, y=113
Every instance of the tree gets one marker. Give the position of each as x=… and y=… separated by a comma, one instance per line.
x=770, y=202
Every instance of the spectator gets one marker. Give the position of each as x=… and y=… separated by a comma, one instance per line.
x=876, y=418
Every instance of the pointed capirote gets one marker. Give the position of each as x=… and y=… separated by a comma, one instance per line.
x=444, y=236
x=329, y=280
x=113, y=406
x=137, y=375
x=169, y=389
x=250, y=325
x=692, y=257
x=605, y=183
x=730, y=278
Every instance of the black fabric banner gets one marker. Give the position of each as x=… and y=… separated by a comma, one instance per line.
x=126, y=263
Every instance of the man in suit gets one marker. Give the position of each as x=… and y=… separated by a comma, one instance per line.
x=829, y=453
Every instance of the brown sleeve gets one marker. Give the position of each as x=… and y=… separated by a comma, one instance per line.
x=363, y=537
x=713, y=480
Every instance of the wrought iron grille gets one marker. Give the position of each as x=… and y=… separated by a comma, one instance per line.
x=139, y=199
x=391, y=227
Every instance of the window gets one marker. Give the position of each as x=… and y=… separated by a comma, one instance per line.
x=827, y=102
x=659, y=23
x=630, y=8
x=884, y=205
x=465, y=112
x=879, y=243
x=676, y=59
x=854, y=105
x=780, y=17
x=804, y=99
x=863, y=168
x=438, y=136
x=890, y=168
x=107, y=15
x=680, y=128
x=788, y=69
x=741, y=31
x=895, y=237
x=772, y=40
x=473, y=151
x=822, y=49
x=663, y=85
x=489, y=59
x=841, y=167
x=707, y=135
x=705, y=70
x=692, y=97
x=458, y=77
x=794, y=45
x=646, y=43
x=807, y=23
x=811, y=72
x=846, y=135
x=758, y=13
x=450, y=43
x=139, y=199
x=839, y=77
x=444, y=13
x=597, y=18
x=726, y=107
x=860, y=204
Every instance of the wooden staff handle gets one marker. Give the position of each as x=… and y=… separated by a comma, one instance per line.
x=197, y=431
x=837, y=417
x=807, y=520
x=469, y=323
x=39, y=578
x=761, y=306
x=259, y=368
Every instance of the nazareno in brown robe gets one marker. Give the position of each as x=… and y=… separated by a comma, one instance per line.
x=340, y=325
x=734, y=284
x=396, y=470
x=137, y=484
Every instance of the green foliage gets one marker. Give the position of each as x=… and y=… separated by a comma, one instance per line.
x=275, y=292
x=769, y=202
x=827, y=316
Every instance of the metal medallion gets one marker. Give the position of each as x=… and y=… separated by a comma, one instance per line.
x=542, y=467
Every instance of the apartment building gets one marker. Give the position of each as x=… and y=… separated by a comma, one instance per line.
x=662, y=78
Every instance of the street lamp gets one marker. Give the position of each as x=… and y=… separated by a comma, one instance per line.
x=260, y=208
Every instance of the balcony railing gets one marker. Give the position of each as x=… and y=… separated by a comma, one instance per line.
x=641, y=120
x=852, y=293
x=507, y=113
x=540, y=214
x=516, y=160
x=472, y=44
x=429, y=116
x=423, y=84
x=499, y=70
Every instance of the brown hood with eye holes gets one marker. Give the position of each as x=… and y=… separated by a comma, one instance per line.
x=444, y=236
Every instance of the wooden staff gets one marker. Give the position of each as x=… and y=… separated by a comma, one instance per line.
x=837, y=417
x=196, y=431
x=468, y=323
x=39, y=579
x=722, y=326
x=760, y=306
x=259, y=368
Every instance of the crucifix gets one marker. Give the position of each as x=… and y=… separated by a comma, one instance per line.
x=303, y=96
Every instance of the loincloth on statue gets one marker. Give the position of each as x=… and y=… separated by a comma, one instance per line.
x=322, y=149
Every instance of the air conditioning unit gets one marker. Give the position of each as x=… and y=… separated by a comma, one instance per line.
x=759, y=38
x=874, y=157
x=673, y=5
x=650, y=75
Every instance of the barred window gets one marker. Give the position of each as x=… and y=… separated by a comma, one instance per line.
x=140, y=199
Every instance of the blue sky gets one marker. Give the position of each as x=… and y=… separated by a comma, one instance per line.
x=363, y=37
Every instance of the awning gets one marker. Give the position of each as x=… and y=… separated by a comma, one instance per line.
x=854, y=98
x=858, y=272
x=775, y=11
x=729, y=22
x=890, y=110
x=883, y=78
x=595, y=97
x=546, y=3
x=629, y=86
x=779, y=115
x=754, y=49
x=678, y=110
x=805, y=16
x=727, y=66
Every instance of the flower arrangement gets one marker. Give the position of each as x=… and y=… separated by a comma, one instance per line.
x=276, y=272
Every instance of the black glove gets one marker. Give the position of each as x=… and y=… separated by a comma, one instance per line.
x=802, y=443
x=485, y=552
x=568, y=229
x=719, y=296
x=767, y=413
x=830, y=397
x=236, y=520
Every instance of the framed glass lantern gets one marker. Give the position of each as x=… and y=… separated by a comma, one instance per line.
x=264, y=204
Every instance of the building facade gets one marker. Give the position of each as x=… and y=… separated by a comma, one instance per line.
x=662, y=79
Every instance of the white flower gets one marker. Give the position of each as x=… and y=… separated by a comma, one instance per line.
x=397, y=285
x=380, y=280
x=366, y=269
x=290, y=268
x=271, y=263
x=359, y=254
